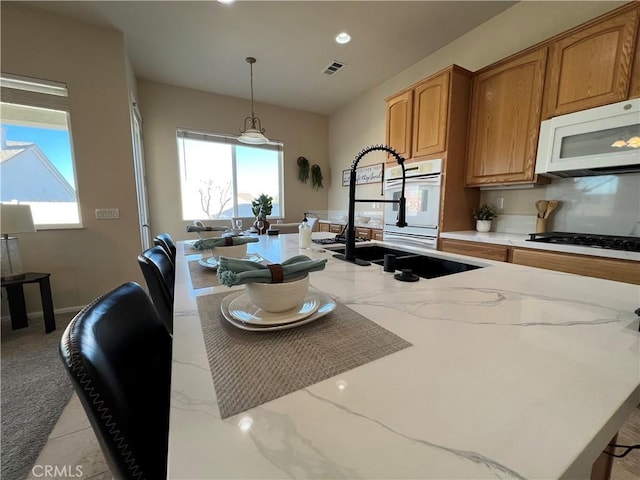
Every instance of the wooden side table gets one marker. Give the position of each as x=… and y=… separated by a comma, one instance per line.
x=17, y=306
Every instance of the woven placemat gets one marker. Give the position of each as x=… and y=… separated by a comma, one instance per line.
x=251, y=368
x=202, y=277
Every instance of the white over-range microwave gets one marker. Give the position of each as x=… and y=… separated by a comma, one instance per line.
x=599, y=141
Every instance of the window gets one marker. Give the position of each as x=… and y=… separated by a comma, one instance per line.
x=220, y=176
x=36, y=165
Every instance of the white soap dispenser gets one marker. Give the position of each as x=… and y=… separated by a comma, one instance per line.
x=304, y=233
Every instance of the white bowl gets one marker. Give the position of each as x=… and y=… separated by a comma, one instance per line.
x=363, y=219
x=278, y=297
x=232, y=251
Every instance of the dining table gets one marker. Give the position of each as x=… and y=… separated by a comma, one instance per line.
x=502, y=371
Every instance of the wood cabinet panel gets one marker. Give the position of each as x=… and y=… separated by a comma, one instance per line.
x=430, y=99
x=363, y=232
x=608, y=268
x=324, y=227
x=591, y=66
x=376, y=234
x=335, y=228
x=634, y=86
x=475, y=249
x=399, y=115
x=505, y=121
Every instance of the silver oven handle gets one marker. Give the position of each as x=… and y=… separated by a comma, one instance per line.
x=424, y=242
x=427, y=181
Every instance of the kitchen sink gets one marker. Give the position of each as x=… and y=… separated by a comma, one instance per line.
x=373, y=252
x=422, y=265
x=430, y=267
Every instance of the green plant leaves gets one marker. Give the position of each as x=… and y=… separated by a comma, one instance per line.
x=262, y=206
x=316, y=176
x=303, y=169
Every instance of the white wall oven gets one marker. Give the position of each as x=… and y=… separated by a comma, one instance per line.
x=422, y=191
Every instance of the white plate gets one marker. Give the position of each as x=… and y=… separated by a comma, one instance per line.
x=327, y=305
x=241, y=308
x=210, y=262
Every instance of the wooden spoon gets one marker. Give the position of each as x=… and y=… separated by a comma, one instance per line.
x=542, y=205
x=553, y=204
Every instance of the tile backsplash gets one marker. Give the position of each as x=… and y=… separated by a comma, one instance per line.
x=605, y=204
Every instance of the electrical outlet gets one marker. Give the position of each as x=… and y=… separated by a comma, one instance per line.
x=500, y=203
x=107, y=213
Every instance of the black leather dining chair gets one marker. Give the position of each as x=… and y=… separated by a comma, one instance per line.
x=165, y=241
x=159, y=275
x=117, y=353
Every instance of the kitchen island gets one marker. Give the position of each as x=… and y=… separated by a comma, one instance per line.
x=512, y=372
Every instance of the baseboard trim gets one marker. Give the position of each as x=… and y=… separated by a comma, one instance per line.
x=40, y=313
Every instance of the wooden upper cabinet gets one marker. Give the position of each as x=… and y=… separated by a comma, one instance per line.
x=506, y=103
x=399, y=114
x=591, y=66
x=430, y=101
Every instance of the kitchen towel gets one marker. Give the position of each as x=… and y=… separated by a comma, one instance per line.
x=208, y=243
x=195, y=228
x=233, y=271
x=251, y=368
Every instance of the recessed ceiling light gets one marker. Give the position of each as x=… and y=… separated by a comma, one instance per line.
x=226, y=1
x=343, y=37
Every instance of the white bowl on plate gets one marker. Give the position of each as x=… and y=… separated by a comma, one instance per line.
x=278, y=297
x=231, y=251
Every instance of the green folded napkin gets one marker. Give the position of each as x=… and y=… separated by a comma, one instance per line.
x=234, y=271
x=207, y=243
x=194, y=228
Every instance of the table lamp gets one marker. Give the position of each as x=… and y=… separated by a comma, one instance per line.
x=13, y=219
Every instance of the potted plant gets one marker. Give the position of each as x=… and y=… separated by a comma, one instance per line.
x=484, y=214
x=261, y=208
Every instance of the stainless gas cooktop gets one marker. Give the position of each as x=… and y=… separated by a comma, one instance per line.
x=612, y=242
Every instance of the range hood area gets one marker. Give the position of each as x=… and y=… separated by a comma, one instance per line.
x=598, y=141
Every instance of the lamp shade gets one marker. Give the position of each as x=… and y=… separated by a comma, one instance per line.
x=253, y=137
x=16, y=219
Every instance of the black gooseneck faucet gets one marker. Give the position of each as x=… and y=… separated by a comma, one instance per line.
x=350, y=247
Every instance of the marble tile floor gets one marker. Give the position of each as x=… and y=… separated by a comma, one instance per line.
x=73, y=443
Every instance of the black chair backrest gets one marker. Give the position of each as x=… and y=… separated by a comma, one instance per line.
x=118, y=355
x=165, y=241
x=159, y=274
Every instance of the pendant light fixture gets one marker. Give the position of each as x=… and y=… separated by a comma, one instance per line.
x=253, y=133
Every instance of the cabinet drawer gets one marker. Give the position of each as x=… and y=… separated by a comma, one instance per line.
x=376, y=234
x=474, y=249
x=608, y=268
x=335, y=228
x=363, y=232
x=324, y=227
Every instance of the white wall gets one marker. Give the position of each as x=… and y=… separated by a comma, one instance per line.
x=86, y=262
x=165, y=108
x=362, y=122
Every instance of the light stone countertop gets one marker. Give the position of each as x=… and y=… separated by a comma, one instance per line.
x=514, y=372
x=517, y=240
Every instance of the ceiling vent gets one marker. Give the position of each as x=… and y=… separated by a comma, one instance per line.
x=334, y=67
